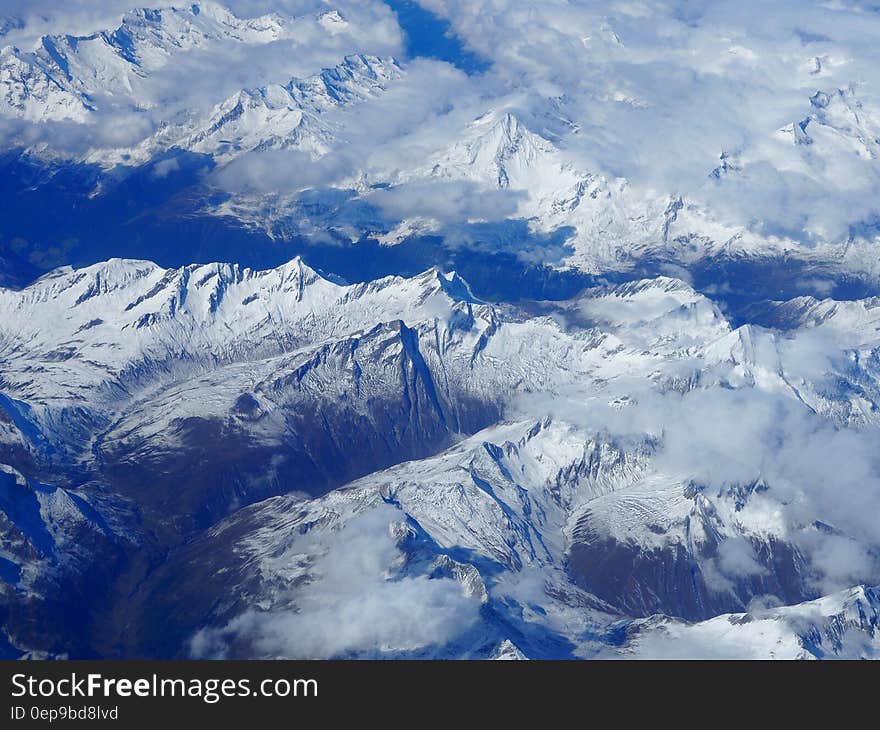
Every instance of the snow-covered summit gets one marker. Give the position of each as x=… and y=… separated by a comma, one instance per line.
x=288, y=116
x=64, y=76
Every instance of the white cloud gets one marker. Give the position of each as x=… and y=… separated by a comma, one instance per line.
x=815, y=470
x=660, y=90
x=450, y=202
x=656, y=90
x=354, y=606
x=378, y=137
x=190, y=83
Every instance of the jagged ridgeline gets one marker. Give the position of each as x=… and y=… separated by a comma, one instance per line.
x=143, y=409
x=305, y=165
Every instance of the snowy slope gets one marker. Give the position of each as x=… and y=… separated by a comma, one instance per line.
x=533, y=438
x=288, y=116
x=65, y=77
x=489, y=514
x=840, y=626
x=215, y=460
x=534, y=160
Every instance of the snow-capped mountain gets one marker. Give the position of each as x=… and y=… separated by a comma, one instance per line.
x=317, y=340
x=841, y=625
x=291, y=113
x=595, y=221
x=837, y=122
x=276, y=117
x=67, y=77
x=528, y=450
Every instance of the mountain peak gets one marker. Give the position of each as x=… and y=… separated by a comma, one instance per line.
x=292, y=116
x=63, y=74
x=498, y=147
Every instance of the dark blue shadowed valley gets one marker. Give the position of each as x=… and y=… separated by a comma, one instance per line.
x=428, y=36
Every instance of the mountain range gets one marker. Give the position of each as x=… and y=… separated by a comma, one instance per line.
x=236, y=422
x=369, y=359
